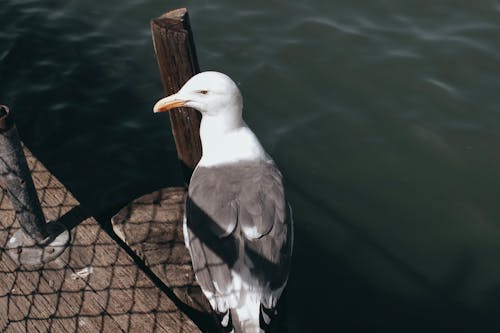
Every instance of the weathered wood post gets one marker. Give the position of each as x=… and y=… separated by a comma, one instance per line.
x=176, y=56
x=36, y=242
x=152, y=224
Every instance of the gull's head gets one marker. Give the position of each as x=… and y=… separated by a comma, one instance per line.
x=211, y=93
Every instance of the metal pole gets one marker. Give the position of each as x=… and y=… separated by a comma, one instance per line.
x=36, y=242
x=18, y=182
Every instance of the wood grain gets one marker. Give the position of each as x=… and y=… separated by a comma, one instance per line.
x=152, y=226
x=177, y=62
x=115, y=297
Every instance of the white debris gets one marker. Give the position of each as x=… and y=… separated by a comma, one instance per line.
x=82, y=274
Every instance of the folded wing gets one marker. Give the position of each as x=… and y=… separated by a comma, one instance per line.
x=238, y=221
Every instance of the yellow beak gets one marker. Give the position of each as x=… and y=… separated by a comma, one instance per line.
x=168, y=103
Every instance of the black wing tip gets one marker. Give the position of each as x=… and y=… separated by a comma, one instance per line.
x=226, y=321
x=267, y=318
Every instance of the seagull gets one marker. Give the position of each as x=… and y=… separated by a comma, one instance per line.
x=238, y=225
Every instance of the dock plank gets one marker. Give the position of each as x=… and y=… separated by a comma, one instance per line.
x=152, y=226
x=115, y=297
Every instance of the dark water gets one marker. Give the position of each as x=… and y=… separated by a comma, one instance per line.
x=383, y=115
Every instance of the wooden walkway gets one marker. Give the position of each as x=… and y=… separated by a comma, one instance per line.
x=152, y=227
x=95, y=286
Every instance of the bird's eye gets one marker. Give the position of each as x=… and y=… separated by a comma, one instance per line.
x=203, y=92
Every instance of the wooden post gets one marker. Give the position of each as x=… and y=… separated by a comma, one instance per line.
x=176, y=56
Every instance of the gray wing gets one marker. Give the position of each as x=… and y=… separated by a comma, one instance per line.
x=266, y=225
x=231, y=209
x=211, y=218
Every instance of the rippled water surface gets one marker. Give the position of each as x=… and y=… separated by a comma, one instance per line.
x=384, y=117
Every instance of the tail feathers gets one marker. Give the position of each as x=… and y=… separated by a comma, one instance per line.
x=246, y=314
x=264, y=323
x=249, y=317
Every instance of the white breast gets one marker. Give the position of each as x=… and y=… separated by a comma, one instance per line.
x=229, y=147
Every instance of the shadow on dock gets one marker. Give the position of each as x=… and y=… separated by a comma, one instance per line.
x=94, y=286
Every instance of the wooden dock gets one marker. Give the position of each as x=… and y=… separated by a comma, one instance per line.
x=95, y=286
x=152, y=226
x=140, y=280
